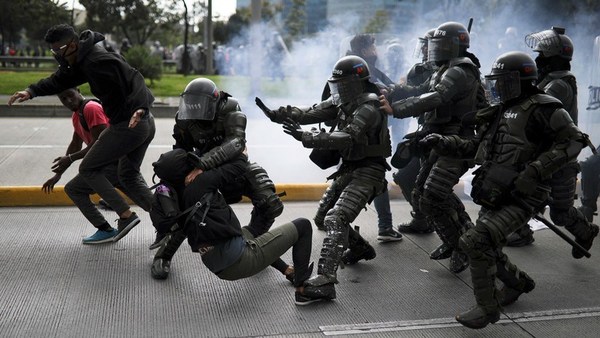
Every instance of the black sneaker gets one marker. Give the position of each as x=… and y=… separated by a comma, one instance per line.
x=160, y=239
x=160, y=268
x=389, y=235
x=313, y=294
x=125, y=225
x=366, y=252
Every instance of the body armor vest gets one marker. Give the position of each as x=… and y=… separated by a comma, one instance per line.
x=563, y=83
x=376, y=141
x=509, y=145
x=453, y=111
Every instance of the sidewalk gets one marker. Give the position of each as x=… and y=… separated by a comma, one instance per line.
x=53, y=286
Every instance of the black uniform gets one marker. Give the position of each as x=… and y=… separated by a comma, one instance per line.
x=520, y=144
x=453, y=92
x=362, y=141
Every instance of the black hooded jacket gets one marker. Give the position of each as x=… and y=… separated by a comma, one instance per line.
x=120, y=87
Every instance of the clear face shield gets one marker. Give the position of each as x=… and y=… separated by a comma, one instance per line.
x=197, y=107
x=502, y=87
x=442, y=49
x=345, y=90
x=420, y=51
x=546, y=42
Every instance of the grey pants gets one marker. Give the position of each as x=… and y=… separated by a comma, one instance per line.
x=127, y=146
x=79, y=191
x=261, y=251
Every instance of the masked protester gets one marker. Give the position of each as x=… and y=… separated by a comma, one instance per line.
x=126, y=101
x=211, y=128
x=522, y=140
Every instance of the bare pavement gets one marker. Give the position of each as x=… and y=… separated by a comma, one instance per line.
x=53, y=286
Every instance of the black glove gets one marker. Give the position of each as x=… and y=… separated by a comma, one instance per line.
x=527, y=181
x=293, y=128
x=277, y=116
x=436, y=142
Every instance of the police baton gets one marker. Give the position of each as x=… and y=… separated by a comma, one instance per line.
x=551, y=226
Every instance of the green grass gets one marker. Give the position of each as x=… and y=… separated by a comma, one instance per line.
x=169, y=85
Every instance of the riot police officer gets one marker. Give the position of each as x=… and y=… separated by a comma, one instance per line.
x=211, y=128
x=523, y=139
x=453, y=92
x=555, y=51
x=418, y=78
x=362, y=141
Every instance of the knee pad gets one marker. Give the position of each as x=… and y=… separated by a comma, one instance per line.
x=473, y=243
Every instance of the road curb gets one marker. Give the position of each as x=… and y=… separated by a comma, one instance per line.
x=33, y=196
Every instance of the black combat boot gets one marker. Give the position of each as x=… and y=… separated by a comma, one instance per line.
x=487, y=309
x=320, y=287
x=522, y=237
x=417, y=225
x=160, y=268
x=478, y=317
x=358, y=249
x=364, y=251
x=586, y=243
x=509, y=295
x=441, y=252
x=161, y=265
x=459, y=261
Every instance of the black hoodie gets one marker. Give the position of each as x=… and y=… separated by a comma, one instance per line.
x=120, y=87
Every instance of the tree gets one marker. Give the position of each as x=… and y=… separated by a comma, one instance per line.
x=35, y=20
x=378, y=23
x=136, y=20
x=295, y=21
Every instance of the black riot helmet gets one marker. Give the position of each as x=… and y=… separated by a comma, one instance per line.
x=347, y=79
x=422, y=45
x=551, y=42
x=199, y=100
x=449, y=40
x=510, y=73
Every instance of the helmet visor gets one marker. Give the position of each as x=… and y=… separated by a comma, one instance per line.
x=344, y=90
x=442, y=49
x=197, y=107
x=502, y=87
x=546, y=42
x=421, y=49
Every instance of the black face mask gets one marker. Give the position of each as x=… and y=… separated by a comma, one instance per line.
x=61, y=61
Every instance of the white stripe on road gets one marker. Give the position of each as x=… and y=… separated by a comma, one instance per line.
x=437, y=323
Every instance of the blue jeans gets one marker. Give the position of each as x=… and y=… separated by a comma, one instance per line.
x=384, y=210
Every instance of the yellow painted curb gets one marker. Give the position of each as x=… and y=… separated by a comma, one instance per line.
x=31, y=196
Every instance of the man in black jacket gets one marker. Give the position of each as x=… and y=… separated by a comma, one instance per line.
x=126, y=100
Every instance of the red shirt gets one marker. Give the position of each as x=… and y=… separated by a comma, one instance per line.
x=94, y=115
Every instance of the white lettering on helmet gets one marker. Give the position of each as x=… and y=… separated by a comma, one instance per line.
x=498, y=65
x=508, y=115
x=439, y=33
x=338, y=72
